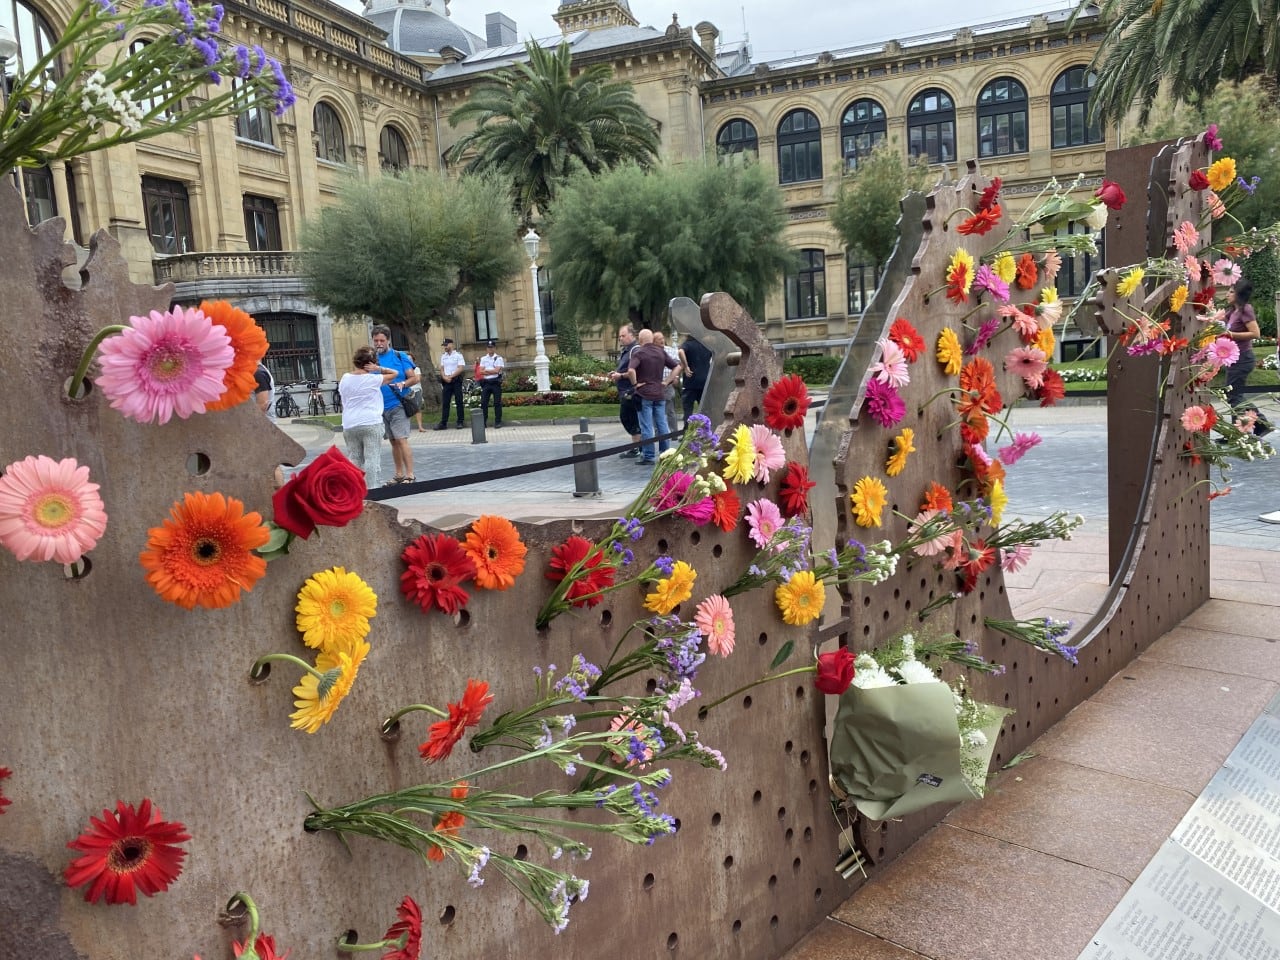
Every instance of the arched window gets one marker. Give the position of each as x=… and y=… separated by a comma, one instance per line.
x=33, y=33
x=1002, y=118
x=807, y=286
x=1069, y=106
x=393, y=152
x=331, y=142
x=737, y=141
x=160, y=92
x=799, y=147
x=862, y=127
x=931, y=126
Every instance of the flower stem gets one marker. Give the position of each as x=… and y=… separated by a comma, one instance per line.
x=240, y=899
x=256, y=671
x=390, y=723
x=755, y=683
x=397, y=943
x=73, y=391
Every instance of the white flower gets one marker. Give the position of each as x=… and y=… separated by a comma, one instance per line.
x=908, y=646
x=1097, y=218
x=868, y=674
x=975, y=738
x=913, y=671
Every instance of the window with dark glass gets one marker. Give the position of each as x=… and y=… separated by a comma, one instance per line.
x=931, y=127
x=547, y=299
x=863, y=278
x=807, y=287
x=331, y=142
x=1002, y=118
x=1069, y=108
x=36, y=184
x=255, y=123
x=160, y=91
x=861, y=128
x=799, y=147
x=168, y=213
x=1077, y=271
x=261, y=223
x=737, y=141
x=486, y=314
x=294, y=355
x=393, y=152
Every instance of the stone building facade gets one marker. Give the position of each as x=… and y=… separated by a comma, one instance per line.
x=217, y=209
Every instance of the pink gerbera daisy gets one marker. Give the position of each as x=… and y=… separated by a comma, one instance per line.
x=1015, y=558
x=673, y=490
x=892, y=365
x=1217, y=209
x=1192, y=265
x=1022, y=443
x=1186, y=237
x=49, y=510
x=930, y=548
x=165, y=363
x=1028, y=363
x=764, y=518
x=1052, y=264
x=1223, y=351
x=1225, y=272
x=769, y=453
x=714, y=618
x=985, y=332
x=1199, y=419
x=884, y=404
x=987, y=279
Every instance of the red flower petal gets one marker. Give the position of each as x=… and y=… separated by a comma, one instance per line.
x=127, y=852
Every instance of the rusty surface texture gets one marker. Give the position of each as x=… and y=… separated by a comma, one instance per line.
x=109, y=693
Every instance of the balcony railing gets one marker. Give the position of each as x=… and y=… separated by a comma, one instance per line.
x=226, y=266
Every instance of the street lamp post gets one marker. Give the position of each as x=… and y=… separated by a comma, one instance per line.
x=541, y=365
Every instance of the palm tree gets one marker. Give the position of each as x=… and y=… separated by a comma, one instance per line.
x=1189, y=46
x=536, y=124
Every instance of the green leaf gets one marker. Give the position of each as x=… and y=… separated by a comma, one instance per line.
x=277, y=544
x=782, y=655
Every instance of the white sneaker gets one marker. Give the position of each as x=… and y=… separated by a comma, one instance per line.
x=1273, y=517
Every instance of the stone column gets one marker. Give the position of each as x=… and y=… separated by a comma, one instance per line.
x=62, y=199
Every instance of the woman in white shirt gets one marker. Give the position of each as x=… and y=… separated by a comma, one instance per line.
x=362, y=429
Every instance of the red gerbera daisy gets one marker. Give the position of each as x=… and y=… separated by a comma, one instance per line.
x=438, y=566
x=126, y=852
x=1027, y=273
x=264, y=947
x=727, y=510
x=786, y=402
x=444, y=734
x=989, y=195
x=794, y=492
x=449, y=823
x=594, y=573
x=937, y=497
x=907, y=338
x=977, y=557
x=1051, y=389
x=4, y=801
x=409, y=926
x=981, y=222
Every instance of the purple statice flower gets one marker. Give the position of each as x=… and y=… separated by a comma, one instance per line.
x=682, y=654
x=988, y=280
x=883, y=403
x=602, y=796
x=1250, y=185
x=833, y=557
x=628, y=558
x=243, y=61
x=482, y=859
x=184, y=10
x=1021, y=445
x=637, y=751
x=1211, y=139
x=632, y=527
x=578, y=679
x=214, y=23
x=1067, y=653
x=681, y=695
x=756, y=571
x=664, y=565
x=285, y=97
x=545, y=740
x=712, y=754
x=208, y=48
x=985, y=333
x=701, y=435
x=645, y=801
x=107, y=7
x=260, y=60
x=1056, y=629
x=155, y=3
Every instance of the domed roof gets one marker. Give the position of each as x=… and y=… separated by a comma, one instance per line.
x=420, y=27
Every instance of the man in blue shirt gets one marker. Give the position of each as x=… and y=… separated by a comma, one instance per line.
x=393, y=415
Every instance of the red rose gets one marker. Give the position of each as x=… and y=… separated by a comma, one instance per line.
x=1198, y=181
x=1111, y=195
x=835, y=672
x=329, y=491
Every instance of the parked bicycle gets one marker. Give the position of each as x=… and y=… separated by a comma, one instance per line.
x=335, y=399
x=315, y=400
x=286, y=407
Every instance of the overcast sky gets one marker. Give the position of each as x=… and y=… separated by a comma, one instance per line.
x=776, y=28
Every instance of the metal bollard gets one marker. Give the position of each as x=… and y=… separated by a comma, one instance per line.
x=586, y=473
x=583, y=424
x=477, y=426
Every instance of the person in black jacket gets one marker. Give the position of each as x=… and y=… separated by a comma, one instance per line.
x=695, y=359
x=628, y=412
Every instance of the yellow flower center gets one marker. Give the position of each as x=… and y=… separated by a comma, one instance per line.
x=337, y=607
x=53, y=510
x=165, y=363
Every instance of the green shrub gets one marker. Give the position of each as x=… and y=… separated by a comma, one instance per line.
x=816, y=371
x=577, y=365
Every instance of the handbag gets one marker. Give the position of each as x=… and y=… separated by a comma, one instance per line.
x=412, y=403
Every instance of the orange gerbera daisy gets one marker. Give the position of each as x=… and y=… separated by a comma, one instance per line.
x=449, y=823
x=978, y=381
x=203, y=555
x=494, y=547
x=250, y=346
x=443, y=735
x=937, y=497
x=981, y=222
x=908, y=339
x=727, y=509
x=1027, y=273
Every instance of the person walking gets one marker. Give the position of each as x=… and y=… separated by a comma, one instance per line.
x=695, y=359
x=628, y=411
x=417, y=392
x=491, y=369
x=452, y=368
x=361, y=392
x=649, y=372
x=1242, y=327
x=669, y=393
x=394, y=420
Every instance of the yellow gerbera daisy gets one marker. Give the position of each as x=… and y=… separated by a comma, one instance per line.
x=1044, y=341
x=1222, y=173
x=1178, y=298
x=869, y=497
x=950, y=354
x=1048, y=294
x=1130, y=281
x=740, y=462
x=801, y=598
x=318, y=697
x=334, y=608
x=1005, y=267
x=673, y=590
x=959, y=275
x=903, y=446
x=998, y=500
